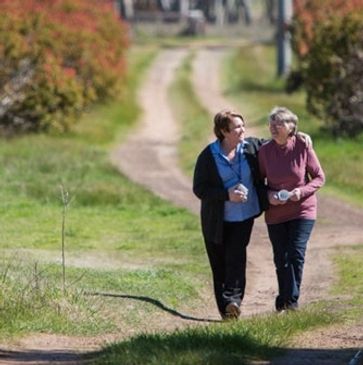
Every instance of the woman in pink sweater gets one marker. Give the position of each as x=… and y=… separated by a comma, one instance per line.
x=293, y=175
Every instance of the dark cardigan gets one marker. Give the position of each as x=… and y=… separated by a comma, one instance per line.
x=208, y=187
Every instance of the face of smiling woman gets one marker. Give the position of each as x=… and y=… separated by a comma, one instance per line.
x=280, y=131
x=236, y=132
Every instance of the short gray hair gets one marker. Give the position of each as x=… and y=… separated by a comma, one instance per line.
x=282, y=114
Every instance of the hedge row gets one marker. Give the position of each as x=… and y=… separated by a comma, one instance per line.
x=57, y=57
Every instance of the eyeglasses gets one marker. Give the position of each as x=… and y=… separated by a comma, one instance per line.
x=277, y=123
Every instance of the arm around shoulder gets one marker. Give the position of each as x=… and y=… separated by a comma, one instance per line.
x=316, y=175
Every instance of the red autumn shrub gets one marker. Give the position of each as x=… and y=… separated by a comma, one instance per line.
x=56, y=57
x=333, y=74
x=310, y=13
x=328, y=44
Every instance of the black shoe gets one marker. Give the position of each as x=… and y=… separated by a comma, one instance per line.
x=292, y=306
x=279, y=305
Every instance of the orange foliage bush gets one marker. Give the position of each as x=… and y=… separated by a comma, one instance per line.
x=328, y=42
x=309, y=13
x=56, y=57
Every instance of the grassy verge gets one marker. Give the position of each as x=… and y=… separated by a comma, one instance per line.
x=119, y=238
x=350, y=284
x=101, y=123
x=225, y=343
x=192, y=117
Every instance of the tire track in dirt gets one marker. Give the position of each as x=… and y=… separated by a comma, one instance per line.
x=149, y=155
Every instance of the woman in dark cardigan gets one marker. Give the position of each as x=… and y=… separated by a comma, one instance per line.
x=232, y=194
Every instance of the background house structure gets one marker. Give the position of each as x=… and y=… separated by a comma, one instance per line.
x=214, y=11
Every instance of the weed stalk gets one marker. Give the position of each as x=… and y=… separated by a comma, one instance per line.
x=65, y=201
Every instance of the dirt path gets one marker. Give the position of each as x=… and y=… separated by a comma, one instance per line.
x=149, y=154
x=149, y=157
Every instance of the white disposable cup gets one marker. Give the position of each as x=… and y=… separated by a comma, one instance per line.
x=283, y=195
x=240, y=187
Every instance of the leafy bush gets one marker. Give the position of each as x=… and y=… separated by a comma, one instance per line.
x=333, y=74
x=327, y=40
x=56, y=57
x=309, y=13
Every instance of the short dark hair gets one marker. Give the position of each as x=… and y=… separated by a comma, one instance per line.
x=222, y=121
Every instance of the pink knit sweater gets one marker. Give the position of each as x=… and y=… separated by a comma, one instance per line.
x=286, y=168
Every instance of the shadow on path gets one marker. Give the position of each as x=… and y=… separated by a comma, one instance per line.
x=40, y=356
x=308, y=356
x=157, y=303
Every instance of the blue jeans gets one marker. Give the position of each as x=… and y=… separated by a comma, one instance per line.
x=289, y=241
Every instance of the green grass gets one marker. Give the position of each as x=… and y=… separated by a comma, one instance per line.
x=248, y=340
x=118, y=237
x=342, y=161
x=100, y=124
x=31, y=301
x=258, y=338
x=252, y=339
x=256, y=96
x=350, y=284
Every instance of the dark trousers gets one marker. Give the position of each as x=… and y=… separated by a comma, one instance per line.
x=228, y=263
x=289, y=241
